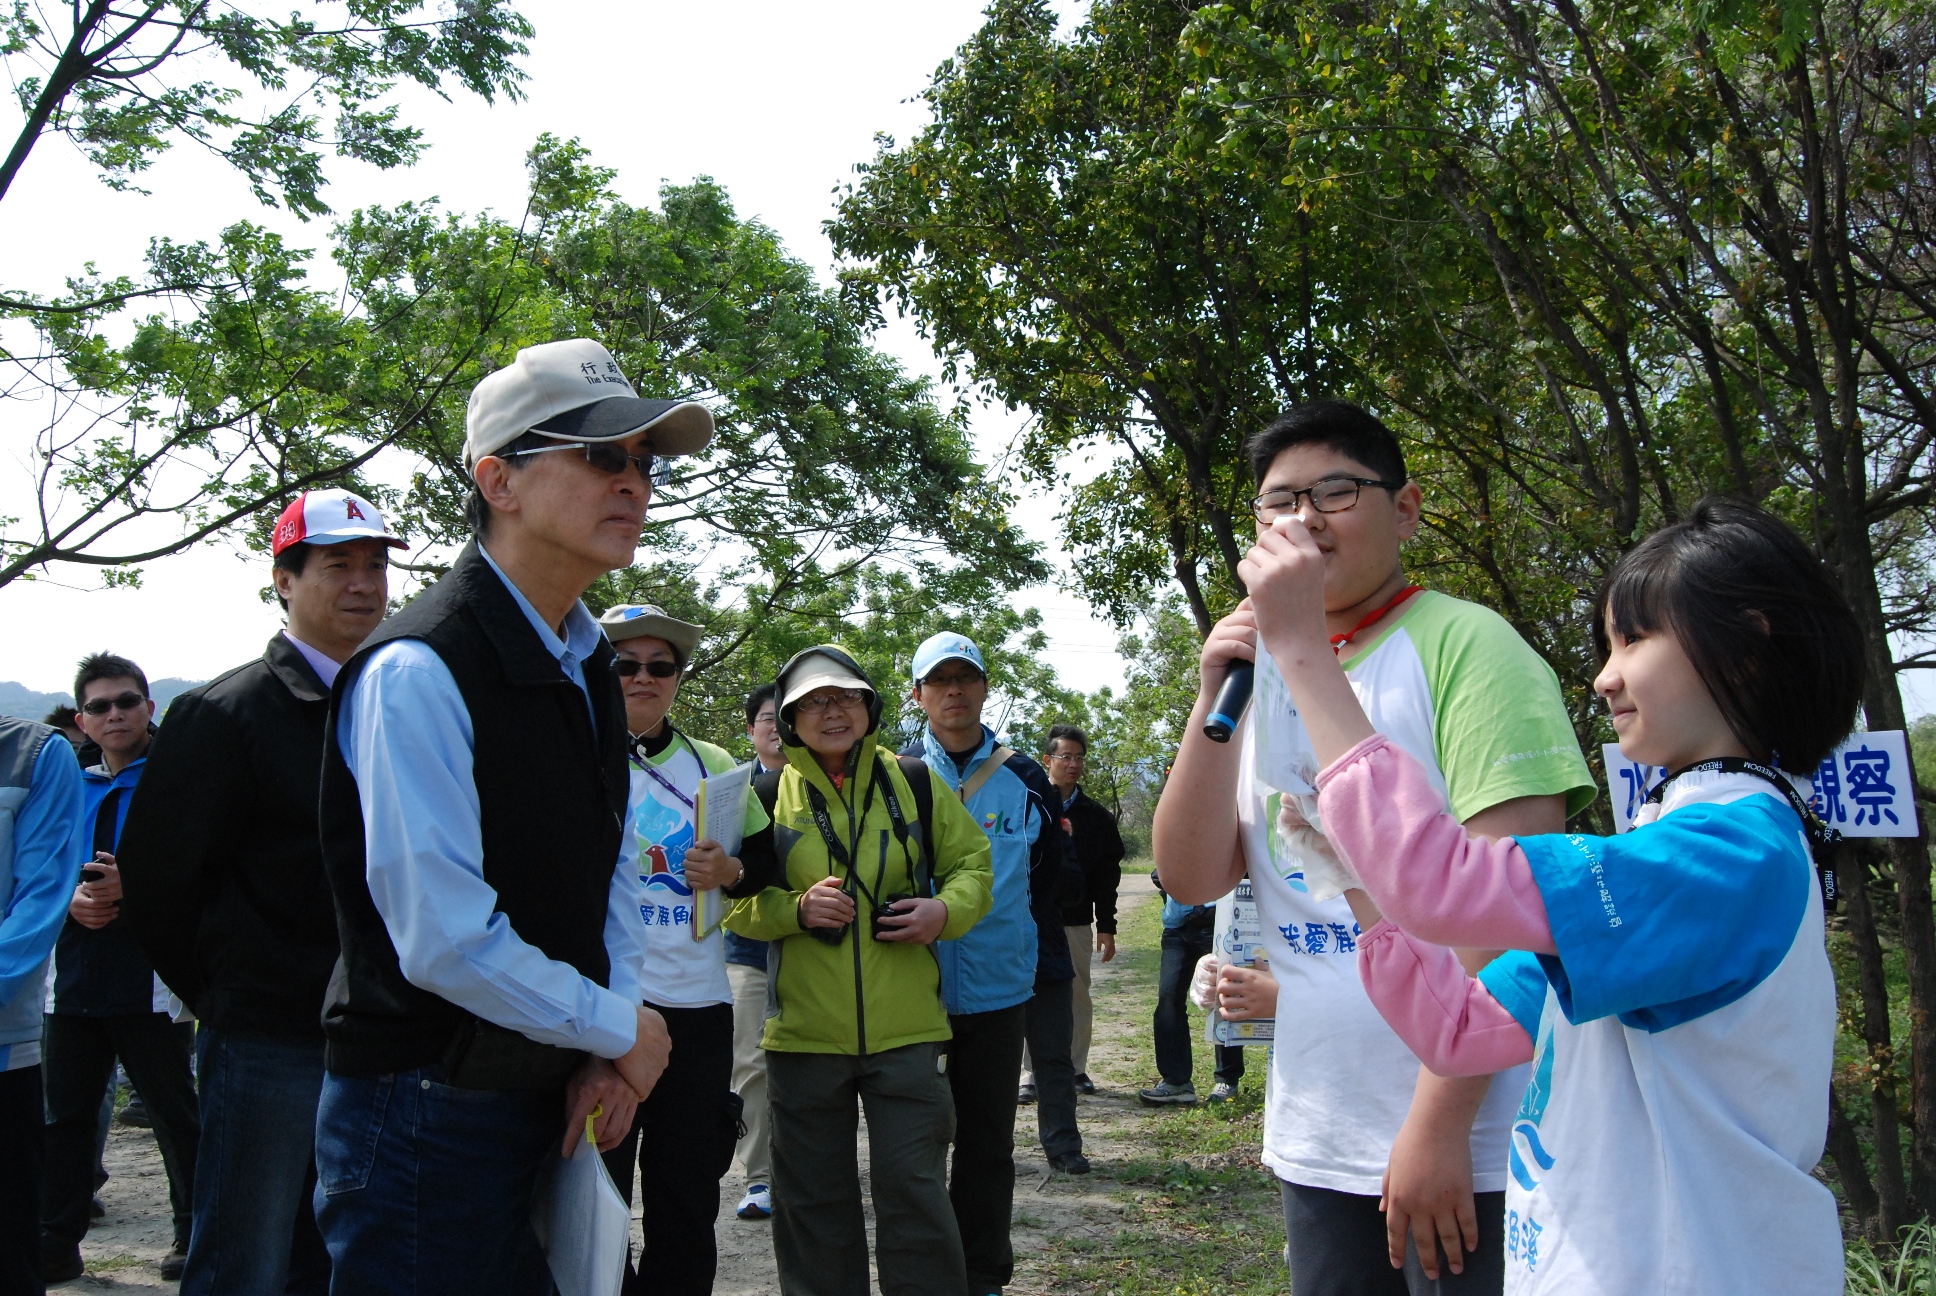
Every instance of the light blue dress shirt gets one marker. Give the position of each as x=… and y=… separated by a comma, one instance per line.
x=406, y=736
x=326, y=668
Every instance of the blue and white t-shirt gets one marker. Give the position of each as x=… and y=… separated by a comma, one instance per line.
x=1685, y=1033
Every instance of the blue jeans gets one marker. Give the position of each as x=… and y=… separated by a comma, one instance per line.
x=255, y=1168
x=423, y=1188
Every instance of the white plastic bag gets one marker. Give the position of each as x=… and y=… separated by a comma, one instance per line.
x=582, y=1223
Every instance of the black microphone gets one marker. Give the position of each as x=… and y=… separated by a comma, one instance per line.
x=1232, y=698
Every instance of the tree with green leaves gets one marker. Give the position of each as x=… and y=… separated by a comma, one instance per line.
x=244, y=380
x=1064, y=253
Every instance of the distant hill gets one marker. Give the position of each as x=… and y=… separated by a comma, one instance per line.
x=19, y=700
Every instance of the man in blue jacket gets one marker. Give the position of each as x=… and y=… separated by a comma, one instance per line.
x=40, y=856
x=1010, y=977
x=107, y=1000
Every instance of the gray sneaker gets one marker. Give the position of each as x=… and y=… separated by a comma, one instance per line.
x=1168, y=1095
x=1223, y=1091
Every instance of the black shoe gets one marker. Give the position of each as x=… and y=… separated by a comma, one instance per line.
x=1025, y=1095
x=1073, y=1163
x=174, y=1262
x=95, y=1210
x=1084, y=1085
x=135, y=1114
x=61, y=1266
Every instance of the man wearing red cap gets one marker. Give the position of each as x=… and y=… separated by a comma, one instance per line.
x=222, y=880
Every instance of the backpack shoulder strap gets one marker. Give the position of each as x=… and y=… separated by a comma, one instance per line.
x=766, y=786
x=973, y=783
x=921, y=784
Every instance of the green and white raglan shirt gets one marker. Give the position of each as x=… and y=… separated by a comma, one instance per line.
x=1454, y=685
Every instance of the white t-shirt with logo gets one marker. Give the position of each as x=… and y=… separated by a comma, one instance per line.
x=678, y=971
x=1453, y=684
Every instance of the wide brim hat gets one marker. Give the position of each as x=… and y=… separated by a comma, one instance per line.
x=822, y=666
x=575, y=391
x=645, y=620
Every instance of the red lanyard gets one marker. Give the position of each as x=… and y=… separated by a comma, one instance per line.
x=1339, y=641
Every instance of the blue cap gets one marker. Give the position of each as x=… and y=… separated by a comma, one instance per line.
x=945, y=646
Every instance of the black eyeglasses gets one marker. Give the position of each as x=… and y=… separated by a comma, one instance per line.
x=609, y=457
x=124, y=702
x=627, y=668
x=1332, y=495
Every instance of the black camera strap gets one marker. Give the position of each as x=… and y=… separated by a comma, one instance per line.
x=921, y=869
x=1822, y=839
x=843, y=853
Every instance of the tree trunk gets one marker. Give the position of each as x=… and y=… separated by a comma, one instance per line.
x=1846, y=1152
x=1892, y=1208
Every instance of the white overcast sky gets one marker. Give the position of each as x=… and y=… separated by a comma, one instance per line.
x=776, y=101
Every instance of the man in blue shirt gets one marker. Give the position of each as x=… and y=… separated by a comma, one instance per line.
x=40, y=856
x=473, y=828
x=107, y=1000
x=1008, y=979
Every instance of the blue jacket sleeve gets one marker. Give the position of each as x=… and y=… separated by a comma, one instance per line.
x=1676, y=918
x=47, y=852
x=1518, y=982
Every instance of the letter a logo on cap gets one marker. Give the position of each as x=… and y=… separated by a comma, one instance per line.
x=350, y=510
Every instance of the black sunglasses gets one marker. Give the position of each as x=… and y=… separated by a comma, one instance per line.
x=609, y=457
x=101, y=706
x=627, y=668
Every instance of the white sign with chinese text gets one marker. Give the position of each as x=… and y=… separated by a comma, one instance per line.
x=1861, y=790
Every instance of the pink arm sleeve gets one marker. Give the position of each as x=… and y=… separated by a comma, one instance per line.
x=1450, y=1020
x=1417, y=863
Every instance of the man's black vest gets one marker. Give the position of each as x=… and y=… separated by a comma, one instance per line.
x=552, y=795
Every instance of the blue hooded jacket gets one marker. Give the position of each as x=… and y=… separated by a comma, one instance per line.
x=1020, y=944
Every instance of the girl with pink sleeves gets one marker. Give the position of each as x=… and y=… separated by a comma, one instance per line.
x=1670, y=985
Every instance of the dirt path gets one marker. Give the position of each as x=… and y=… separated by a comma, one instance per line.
x=1177, y=1202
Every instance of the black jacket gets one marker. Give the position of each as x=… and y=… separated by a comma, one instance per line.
x=1099, y=850
x=220, y=858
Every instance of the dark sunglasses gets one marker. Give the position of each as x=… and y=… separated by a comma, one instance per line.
x=101, y=706
x=627, y=668
x=610, y=457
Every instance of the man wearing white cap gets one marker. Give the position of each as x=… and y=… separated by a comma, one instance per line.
x=222, y=881
x=487, y=894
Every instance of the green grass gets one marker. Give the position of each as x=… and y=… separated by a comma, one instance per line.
x=1198, y=1213
x=1908, y=1270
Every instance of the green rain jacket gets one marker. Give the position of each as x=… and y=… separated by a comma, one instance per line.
x=860, y=996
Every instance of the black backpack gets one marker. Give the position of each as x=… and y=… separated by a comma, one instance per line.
x=766, y=786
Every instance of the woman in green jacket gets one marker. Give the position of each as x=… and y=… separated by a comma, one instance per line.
x=855, y=1008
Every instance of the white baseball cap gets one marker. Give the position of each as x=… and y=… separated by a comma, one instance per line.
x=327, y=517
x=575, y=391
x=944, y=647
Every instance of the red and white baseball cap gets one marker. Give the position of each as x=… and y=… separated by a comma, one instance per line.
x=327, y=517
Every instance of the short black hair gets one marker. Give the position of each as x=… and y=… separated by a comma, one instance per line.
x=1766, y=627
x=293, y=560
x=1337, y=425
x=62, y=717
x=758, y=698
x=1069, y=732
x=105, y=665
x=477, y=510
